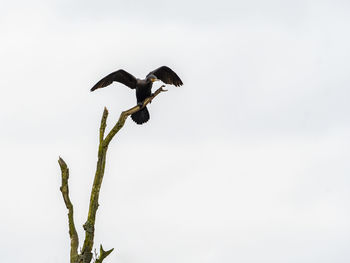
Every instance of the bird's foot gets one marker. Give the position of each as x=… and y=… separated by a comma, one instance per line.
x=140, y=104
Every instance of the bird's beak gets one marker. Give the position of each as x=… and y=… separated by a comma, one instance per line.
x=153, y=80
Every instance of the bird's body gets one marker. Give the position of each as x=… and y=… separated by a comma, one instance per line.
x=143, y=91
x=143, y=87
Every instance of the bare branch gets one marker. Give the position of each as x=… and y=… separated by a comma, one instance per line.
x=74, y=240
x=103, y=254
x=103, y=124
x=89, y=226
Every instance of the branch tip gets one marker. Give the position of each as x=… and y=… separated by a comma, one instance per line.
x=61, y=162
x=103, y=123
x=103, y=254
x=64, y=169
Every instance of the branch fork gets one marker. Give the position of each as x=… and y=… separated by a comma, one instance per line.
x=85, y=255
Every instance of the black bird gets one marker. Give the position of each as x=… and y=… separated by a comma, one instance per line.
x=143, y=86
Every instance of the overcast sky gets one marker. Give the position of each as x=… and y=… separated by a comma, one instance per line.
x=247, y=162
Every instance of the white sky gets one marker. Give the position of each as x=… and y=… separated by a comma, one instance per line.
x=247, y=162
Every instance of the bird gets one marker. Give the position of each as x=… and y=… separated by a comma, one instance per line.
x=143, y=87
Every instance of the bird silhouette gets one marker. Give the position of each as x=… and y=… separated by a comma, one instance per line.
x=143, y=87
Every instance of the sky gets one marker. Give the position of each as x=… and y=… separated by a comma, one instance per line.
x=246, y=162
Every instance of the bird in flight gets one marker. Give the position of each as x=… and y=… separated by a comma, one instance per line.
x=143, y=87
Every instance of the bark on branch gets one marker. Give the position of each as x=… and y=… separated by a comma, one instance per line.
x=89, y=226
x=74, y=240
x=86, y=252
x=103, y=254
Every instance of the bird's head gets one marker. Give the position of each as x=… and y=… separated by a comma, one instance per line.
x=152, y=78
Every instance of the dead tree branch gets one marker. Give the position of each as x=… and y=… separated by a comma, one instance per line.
x=86, y=253
x=74, y=240
x=89, y=226
x=103, y=254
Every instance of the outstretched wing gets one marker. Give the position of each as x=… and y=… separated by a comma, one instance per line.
x=167, y=75
x=121, y=76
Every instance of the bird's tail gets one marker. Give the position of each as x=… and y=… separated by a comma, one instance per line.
x=140, y=116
